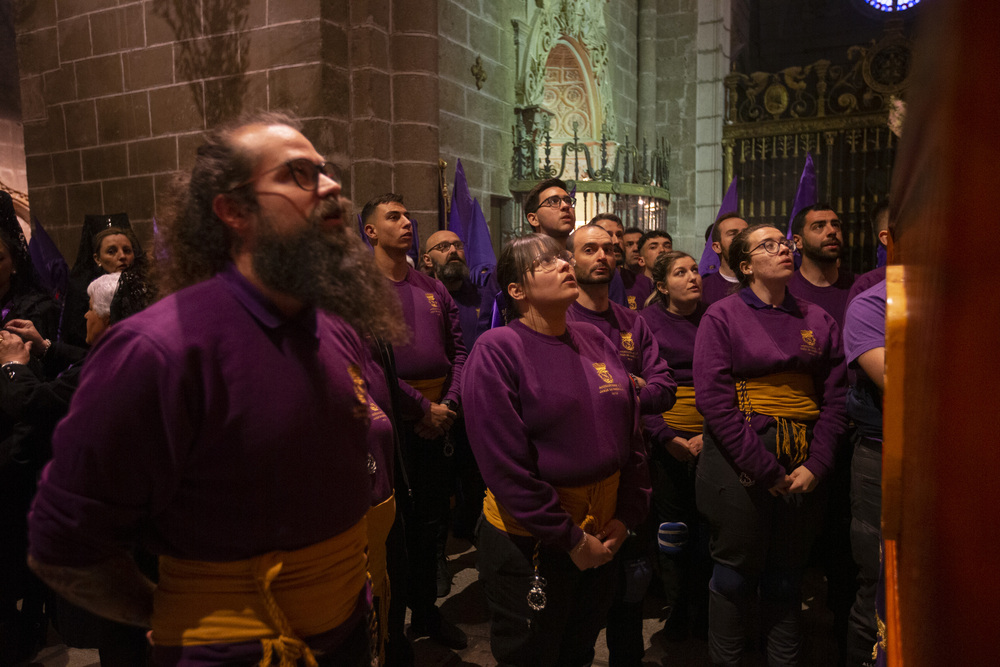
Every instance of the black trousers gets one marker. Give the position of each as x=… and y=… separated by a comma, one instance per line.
x=432, y=482
x=565, y=631
x=758, y=542
x=866, y=515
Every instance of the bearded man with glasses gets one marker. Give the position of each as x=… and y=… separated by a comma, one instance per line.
x=236, y=443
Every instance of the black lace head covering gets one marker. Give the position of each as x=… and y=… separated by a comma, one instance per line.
x=131, y=296
x=25, y=278
x=84, y=266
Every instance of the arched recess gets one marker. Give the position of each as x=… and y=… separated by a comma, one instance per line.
x=570, y=93
x=580, y=27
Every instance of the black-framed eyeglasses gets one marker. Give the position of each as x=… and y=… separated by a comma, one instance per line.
x=555, y=201
x=549, y=261
x=773, y=246
x=445, y=246
x=304, y=172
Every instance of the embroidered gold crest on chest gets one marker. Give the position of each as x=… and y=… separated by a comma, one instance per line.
x=627, y=343
x=631, y=303
x=359, y=383
x=809, y=343
x=603, y=373
x=360, y=391
x=431, y=300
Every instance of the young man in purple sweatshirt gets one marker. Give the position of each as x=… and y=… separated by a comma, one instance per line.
x=430, y=371
x=720, y=284
x=817, y=233
x=595, y=251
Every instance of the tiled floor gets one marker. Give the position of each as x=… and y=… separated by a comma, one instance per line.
x=466, y=607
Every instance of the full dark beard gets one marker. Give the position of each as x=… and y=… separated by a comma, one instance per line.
x=330, y=270
x=450, y=271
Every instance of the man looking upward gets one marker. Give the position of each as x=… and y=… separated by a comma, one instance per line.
x=550, y=210
x=817, y=233
x=224, y=427
x=430, y=363
x=723, y=282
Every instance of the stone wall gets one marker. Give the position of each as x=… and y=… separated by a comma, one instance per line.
x=621, y=18
x=677, y=89
x=116, y=95
x=476, y=122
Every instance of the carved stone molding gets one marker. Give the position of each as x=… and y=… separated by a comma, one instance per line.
x=583, y=22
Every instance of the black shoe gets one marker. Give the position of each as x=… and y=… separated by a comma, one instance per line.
x=441, y=631
x=443, y=577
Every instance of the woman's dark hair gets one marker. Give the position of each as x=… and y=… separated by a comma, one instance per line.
x=661, y=268
x=739, y=252
x=515, y=260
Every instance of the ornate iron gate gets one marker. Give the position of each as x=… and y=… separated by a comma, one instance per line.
x=837, y=112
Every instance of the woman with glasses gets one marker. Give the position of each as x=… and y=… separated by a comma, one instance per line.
x=553, y=421
x=769, y=380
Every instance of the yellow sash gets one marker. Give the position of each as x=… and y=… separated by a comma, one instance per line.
x=590, y=507
x=790, y=398
x=380, y=518
x=277, y=597
x=684, y=416
x=432, y=389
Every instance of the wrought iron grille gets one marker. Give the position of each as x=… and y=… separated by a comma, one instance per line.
x=607, y=176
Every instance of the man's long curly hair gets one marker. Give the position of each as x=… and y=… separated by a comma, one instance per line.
x=193, y=244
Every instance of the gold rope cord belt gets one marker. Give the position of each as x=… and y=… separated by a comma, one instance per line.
x=790, y=399
x=684, y=416
x=590, y=506
x=432, y=389
x=276, y=598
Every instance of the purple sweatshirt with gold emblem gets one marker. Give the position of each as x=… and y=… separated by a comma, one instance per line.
x=638, y=351
x=675, y=335
x=436, y=348
x=210, y=427
x=546, y=411
x=741, y=337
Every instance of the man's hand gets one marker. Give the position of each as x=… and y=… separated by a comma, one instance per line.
x=12, y=348
x=435, y=422
x=591, y=552
x=682, y=449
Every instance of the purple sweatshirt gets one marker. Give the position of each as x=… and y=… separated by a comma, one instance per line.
x=832, y=298
x=436, y=348
x=675, y=335
x=865, y=282
x=209, y=427
x=638, y=287
x=741, y=337
x=545, y=411
x=637, y=350
x=714, y=287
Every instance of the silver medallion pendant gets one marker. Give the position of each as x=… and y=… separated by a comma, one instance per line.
x=536, y=596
